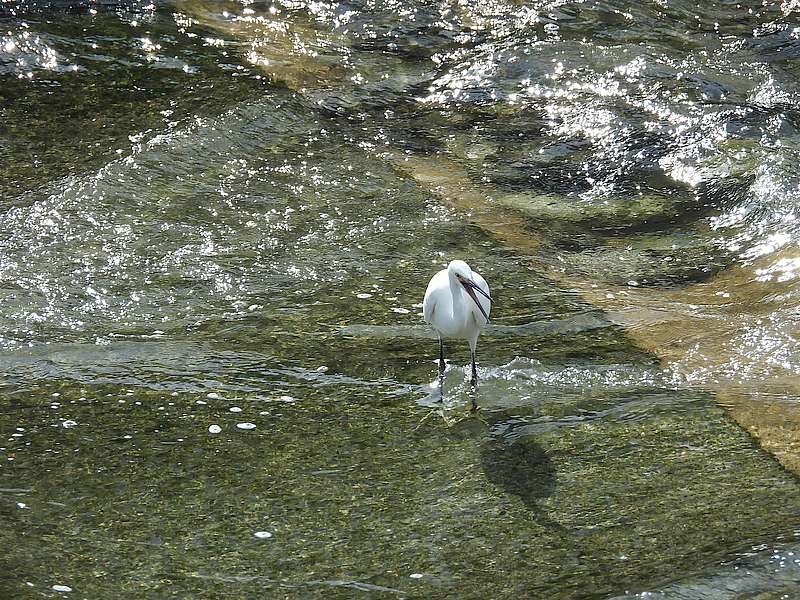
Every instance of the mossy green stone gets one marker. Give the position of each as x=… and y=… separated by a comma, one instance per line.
x=614, y=212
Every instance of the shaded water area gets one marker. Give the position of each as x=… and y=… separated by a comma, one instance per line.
x=217, y=220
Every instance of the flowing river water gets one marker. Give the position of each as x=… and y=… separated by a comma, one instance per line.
x=217, y=221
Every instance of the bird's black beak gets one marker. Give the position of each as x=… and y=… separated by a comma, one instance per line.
x=471, y=288
x=475, y=287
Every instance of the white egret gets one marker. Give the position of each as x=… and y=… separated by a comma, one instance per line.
x=452, y=307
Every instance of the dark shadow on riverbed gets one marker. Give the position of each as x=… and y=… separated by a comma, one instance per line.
x=514, y=461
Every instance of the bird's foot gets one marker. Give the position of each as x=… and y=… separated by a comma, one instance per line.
x=475, y=414
x=473, y=400
x=431, y=412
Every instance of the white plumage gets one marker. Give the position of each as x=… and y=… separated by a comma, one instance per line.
x=457, y=305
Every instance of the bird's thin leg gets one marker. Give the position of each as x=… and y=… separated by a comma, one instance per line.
x=474, y=380
x=441, y=370
x=473, y=400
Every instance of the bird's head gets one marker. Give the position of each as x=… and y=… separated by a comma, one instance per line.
x=460, y=269
x=463, y=274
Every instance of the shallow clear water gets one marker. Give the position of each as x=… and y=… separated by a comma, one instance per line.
x=217, y=220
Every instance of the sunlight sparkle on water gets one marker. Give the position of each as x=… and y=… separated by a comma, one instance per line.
x=784, y=269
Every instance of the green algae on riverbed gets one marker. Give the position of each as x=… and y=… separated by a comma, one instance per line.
x=139, y=499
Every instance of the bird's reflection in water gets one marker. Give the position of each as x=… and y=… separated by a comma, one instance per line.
x=450, y=415
x=450, y=408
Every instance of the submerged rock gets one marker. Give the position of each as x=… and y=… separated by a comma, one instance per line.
x=651, y=259
x=290, y=51
x=603, y=213
x=470, y=146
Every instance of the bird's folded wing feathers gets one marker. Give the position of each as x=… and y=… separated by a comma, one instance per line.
x=428, y=306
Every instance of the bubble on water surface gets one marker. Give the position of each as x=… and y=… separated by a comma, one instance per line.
x=61, y=588
x=246, y=425
x=214, y=429
x=235, y=409
x=263, y=535
x=68, y=424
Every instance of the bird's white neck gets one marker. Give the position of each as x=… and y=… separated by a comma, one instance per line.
x=456, y=290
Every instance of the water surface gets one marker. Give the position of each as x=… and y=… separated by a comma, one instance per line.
x=217, y=220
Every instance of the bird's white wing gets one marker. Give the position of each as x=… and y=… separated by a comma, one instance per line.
x=429, y=302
